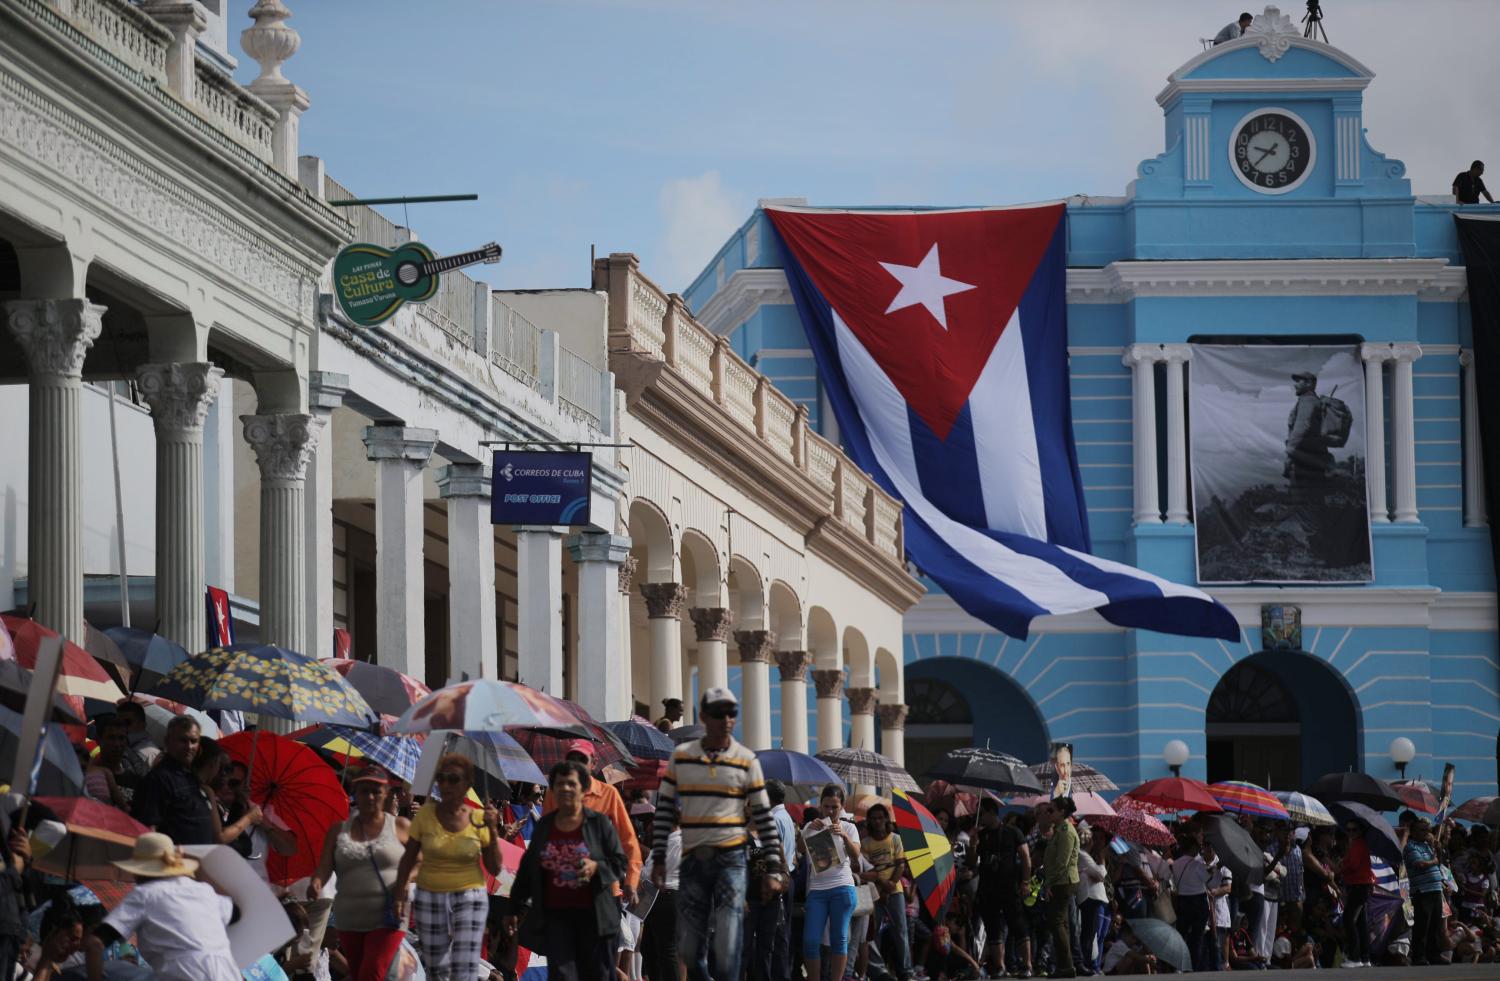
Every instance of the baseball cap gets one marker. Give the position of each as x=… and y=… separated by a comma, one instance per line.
x=584, y=746
x=718, y=696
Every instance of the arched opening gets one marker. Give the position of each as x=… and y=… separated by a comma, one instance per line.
x=954, y=702
x=1281, y=720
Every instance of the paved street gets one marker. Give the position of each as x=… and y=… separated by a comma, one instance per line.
x=1462, y=972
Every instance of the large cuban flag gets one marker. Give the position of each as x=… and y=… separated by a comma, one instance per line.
x=941, y=338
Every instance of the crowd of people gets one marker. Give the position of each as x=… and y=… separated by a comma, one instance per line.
x=723, y=875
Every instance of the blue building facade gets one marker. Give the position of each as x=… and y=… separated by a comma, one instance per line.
x=1338, y=247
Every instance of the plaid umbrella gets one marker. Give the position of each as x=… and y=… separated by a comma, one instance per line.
x=1417, y=795
x=269, y=680
x=1248, y=798
x=861, y=766
x=1135, y=824
x=548, y=747
x=1177, y=794
x=929, y=854
x=388, y=691
x=397, y=754
x=986, y=770
x=1084, y=776
x=642, y=739
x=1304, y=809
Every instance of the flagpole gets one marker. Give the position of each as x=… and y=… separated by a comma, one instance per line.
x=114, y=452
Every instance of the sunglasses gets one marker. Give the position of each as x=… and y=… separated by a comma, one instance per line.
x=721, y=714
x=446, y=778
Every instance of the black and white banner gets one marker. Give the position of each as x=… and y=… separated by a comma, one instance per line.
x=1278, y=463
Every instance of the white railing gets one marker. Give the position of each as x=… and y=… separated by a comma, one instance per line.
x=648, y=309
x=739, y=388
x=515, y=343
x=236, y=112
x=580, y=386
x=694, y=353
x=822, y=462
x=122, y=30
x=369, y=225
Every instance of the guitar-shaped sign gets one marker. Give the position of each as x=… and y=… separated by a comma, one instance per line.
x=373, y=282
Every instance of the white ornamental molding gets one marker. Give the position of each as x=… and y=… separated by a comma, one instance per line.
x=1121, y=282
x=69, y=149
x=741, y=295
x=1273, y=32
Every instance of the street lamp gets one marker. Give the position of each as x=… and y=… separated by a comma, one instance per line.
x=1175, y=753
x=1403, y=751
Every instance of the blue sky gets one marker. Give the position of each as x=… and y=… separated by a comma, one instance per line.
x=652, y=126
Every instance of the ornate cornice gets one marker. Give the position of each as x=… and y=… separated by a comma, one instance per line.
x=793, y=665
x=756, y=646
x=830, y=683
x=712, y=622
x=1121, y=282
x=664, y=600
x=741, y=295
x=861, y=701
x=55, y=334
x=282, y=443
x=892, y=716
x=627, y=573
x=179, y=394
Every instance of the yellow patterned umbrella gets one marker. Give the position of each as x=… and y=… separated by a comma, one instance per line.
x=267, y=680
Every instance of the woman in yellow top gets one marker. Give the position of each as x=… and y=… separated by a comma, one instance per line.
x=449, y=838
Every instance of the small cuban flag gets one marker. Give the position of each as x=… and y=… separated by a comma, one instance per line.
x=941, y=337
x=220, y=619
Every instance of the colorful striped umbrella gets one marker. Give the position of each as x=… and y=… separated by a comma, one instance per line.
x=1241, y=797
x=490, y=706
x=269, y=680
x=861, y=766
x=1304, y=809
x=929, y=854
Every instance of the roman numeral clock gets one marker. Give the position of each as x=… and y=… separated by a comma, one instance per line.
x=1272, y=150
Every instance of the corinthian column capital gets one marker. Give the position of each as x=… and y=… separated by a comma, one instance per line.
x=55, y=334
x=892, y=716
x=664, y=600
x=793, y=665
x=179, y=394
x=712, y=622
x=756, y=646
x=282, y=443
x=627, y=572
x=830, y=683
x=861, y=701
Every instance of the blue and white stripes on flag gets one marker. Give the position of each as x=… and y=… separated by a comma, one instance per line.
x=941, y=342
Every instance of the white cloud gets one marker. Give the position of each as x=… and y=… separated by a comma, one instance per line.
x=698, y=214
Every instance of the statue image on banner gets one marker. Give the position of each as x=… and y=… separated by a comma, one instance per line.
x=1278, y=464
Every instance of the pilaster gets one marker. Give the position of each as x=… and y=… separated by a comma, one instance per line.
x=1177, y=356
x=1141, y=359
x=1475, y=512
x=326, y=392
x=1374, y=357
x=400, y=454
x=1403, y=433
x=471, y=571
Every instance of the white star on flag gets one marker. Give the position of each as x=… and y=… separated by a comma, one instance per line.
x=924, y=284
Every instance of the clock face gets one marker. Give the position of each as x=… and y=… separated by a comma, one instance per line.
x=1272, y=151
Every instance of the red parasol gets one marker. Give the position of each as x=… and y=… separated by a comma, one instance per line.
x=79, y=676
x=510, y=863
x=647, y=776
x=1136, y=824
x=1417, y=796
x=97, y=835
x=303, y=790
x=1177, y=794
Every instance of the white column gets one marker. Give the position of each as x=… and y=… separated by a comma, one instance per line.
x=1403, y=433
x=539, y=638
x=1475, y=512
x=756, y=648
x=179, y=396
x=862, y=718
x=1141, y=359
x=893, y=732
x=792, y=667
x=471, y=571
x=664, y=601
x=830, y=686
x=625, y=579
x=603, y=672
x=282, y=443
x=400, y=453
x=56, y=335
x=325, y=393
x=1177, y=357
x=711, y=625
x=1375, y=356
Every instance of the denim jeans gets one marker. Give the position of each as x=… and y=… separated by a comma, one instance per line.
x=711, y=902
x=766, y=954
x=832, y=908
x=892, y=909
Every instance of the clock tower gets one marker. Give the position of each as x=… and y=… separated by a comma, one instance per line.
x=1267, y=158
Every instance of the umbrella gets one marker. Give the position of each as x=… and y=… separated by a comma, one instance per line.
x=1177, y=794
x=102, y=648
x=865, y=802
x=862, y=766
x=645, y=776
x=151, y=655
x=303, y=790
x=1089, y=804
x=986, y=769
x=929, y=854
x=1236, y=848
x=1084, y=777
x=790, y=766
x=1360, y=787
x=1476, y=809
x=510, y=864
x=1304, y=809
x=489, y=705
x=60, y=775
x=686, y=734
x=79, y=675
x=942, y=795
x=497, y=754
x=642, y=739
x=97, y=835
x=388, y=691
x=269, y=680
x=1247, y=798
x=548, y=748
x=161, y=711
x=1379, y=834
x=1163, y=940
x=1135, y=824
x=15, y=686
x=1417, y=796
x=397, y=754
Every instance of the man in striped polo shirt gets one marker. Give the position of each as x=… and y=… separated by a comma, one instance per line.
x=714, y=782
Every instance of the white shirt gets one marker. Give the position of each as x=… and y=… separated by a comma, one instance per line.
x=1189, y=876
x=1090, y=879
x=838, y=874
x=674, y=861
x=178, y=924
x=1220, y=878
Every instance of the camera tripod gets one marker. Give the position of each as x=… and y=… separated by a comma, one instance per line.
x=1312, y=22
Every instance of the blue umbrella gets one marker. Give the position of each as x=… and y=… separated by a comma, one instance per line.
x=152, y=655
x=790, y=766
x=644, y=740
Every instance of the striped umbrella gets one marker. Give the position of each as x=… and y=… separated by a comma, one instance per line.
x=79, y=675
x=861, y=766
x=1241, y=797
x=1084, y=777
x=1304, y=809
x=929, y=854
